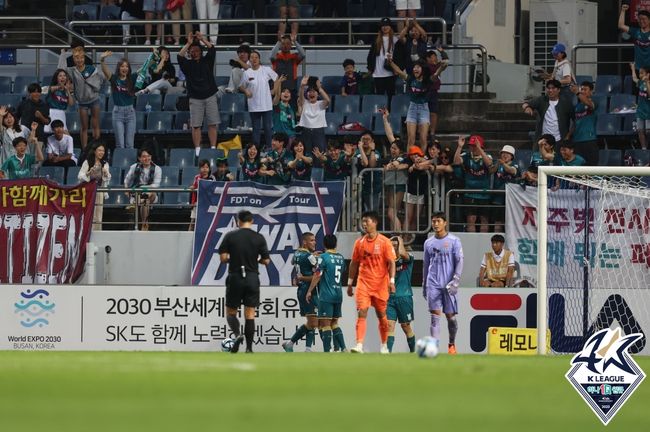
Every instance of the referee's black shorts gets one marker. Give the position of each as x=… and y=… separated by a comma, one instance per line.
x=242, y=290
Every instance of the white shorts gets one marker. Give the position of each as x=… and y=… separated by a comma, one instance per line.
x=407, y=4
x=413, y=199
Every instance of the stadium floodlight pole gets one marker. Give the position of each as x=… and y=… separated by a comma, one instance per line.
x=542, y=237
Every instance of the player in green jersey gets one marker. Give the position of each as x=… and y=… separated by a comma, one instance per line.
x=400, y=303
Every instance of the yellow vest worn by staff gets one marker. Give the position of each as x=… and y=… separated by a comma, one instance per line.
x=497, y=271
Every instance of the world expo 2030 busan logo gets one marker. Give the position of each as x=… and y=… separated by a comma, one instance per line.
x=604, y=374
x=34, y=308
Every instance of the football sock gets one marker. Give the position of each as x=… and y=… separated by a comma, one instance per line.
x=335, y=340
x=337, y=334
x=452, y=325
x=391, y=341
x=361, y=329
x=233, y=323
x=249, y=332
x=383, y=329
x=411, y=341
x=311, y=337
x=326, y=335
x=435, y=326
x=302, y=330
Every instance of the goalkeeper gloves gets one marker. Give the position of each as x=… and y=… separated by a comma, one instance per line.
x=452, y=287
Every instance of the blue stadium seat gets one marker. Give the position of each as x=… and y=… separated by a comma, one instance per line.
x=10, y=100
x=347, y=104
x=116, y=176
x=225, y=11
x=334, y=120
x=582, y=78
x=608, y=124
x=71, y=177
x=106, y=122
x=364, y=118
x=139, y=120
x=317, y=174
x=395, y=123
x=211, y=154
x=123, y=158
x=181, y=157
x=399, y=105
x=21, y=82
x=221, y=80
x=621, y=101
x=400, y=86
x=233, y=157
x=224, y=124
x=170, y=101
x=640, y=157
x=170, y=178
x=628, y=84
x=158, y=122
x=608, y=84
x=116, y=199
x=187, y=176
x=242, y=122
x=372, y=103
x=155, y=100
x=110, y=12
x=601, y=103
x=54, y=173
x=331, y=84
x=522, y=158
x=182, y=119
x=85, y=12
x=5, y=84
x=628, y=127
x=72, y=121
x=232, y=103
x=609, y=157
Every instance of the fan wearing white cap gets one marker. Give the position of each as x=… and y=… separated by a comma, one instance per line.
x=504, y=170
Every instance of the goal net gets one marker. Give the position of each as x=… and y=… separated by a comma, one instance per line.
x=593, y=258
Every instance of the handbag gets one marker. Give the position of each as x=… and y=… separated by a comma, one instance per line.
x=173, y=5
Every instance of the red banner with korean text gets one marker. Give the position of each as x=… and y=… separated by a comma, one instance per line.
x=635, y=7
x=44, y=228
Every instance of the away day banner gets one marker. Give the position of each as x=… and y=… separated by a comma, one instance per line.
x=44, y=229
x=281, y=214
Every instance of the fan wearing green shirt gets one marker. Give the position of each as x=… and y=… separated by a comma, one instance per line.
x=19, y=166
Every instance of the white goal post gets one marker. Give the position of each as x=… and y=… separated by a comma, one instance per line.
x=543, y=192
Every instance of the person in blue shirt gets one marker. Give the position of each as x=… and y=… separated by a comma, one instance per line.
x=640, y=35
x=476, y=165
x=123, y=94
x=583, y=134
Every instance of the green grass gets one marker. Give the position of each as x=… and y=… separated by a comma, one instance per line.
x=67, y=391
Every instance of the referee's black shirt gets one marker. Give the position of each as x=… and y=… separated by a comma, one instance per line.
x=244, y=246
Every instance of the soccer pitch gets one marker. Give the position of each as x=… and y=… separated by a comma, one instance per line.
x=122, y=391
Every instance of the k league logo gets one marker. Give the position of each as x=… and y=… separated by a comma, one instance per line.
x=604, y=373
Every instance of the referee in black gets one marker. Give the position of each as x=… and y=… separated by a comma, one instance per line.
x=243, y=249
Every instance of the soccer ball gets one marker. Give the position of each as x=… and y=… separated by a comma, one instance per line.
x=427, y=347
x=226, y=344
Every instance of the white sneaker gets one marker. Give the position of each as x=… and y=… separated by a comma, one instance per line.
x=308, y=349
x=147, y=42
x=157, y=42
x=358, y=348
x=384, y=349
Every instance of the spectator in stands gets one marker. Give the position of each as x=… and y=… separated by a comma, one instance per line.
x=183, y=12
x=554, y=113
x=34, y=109
x=208, y=9
x=503, y=171
x=201, y=87
x=351, y=78
x=301, y=162
x=250, y=163
x=59, y=97
x=163, y=73
x=642, y=82
x=130, y=10
x=204, y=174
x=239, y=65
x=454, y=179
x=336, y=163
x=284, y=116
x=95, y=167
x=414, y=39
x=497, y=266
x=437, y=163
x=406, y=9
x=583, y=134
x=10, y=129
x=476, y=168
x=562, y=71
x=437, y=62
x=288, y=9
x=60, y=148
x=395, y=175
x=222, y=173
x=568, y=157
x=123, y=94
x=544, y=156
x=286, y=62
x=153, y=9
x=87, y=81
x=275, y=166
x=640, y=35
x=255, y=85
x=417, y=117
x=312, y=113
x=19, y=165
x=367, y=156
x=143, y=173
x=385, y=47
x=416, y=191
